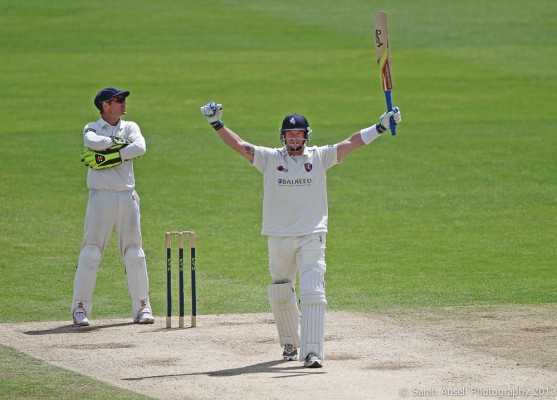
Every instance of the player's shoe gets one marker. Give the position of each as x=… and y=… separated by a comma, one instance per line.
x=80, y=317
x=144, y=317
x=313, y=361
x=290, y=353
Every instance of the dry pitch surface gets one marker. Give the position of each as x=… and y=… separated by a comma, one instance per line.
x=464, y=352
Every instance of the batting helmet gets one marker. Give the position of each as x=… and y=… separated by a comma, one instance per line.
x=295, y=122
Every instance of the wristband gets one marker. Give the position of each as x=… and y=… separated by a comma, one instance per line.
x=217, y=124
x=368, y=135
x=380, y=128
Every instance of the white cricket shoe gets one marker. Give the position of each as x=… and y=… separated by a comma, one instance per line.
x=144, y=317
x=290, y=353
x=80, y=317
x=313, y=361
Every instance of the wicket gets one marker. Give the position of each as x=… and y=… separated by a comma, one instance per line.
x=180, y=235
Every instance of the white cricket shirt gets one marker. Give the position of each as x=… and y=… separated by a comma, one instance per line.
x=295, y=189
x=97, y=136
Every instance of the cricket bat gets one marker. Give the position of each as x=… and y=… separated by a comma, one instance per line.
x=384, y=60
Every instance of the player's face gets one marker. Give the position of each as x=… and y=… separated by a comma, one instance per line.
x=117, y=106
x=294, y=139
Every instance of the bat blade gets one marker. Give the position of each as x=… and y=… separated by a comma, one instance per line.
x=383, y=49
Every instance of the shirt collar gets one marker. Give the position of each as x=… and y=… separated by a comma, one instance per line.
x=103, y=123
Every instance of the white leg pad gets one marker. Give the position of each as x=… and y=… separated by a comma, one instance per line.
x=314, y=305
x=85, y=278
x=282, y=297
x=137, y=279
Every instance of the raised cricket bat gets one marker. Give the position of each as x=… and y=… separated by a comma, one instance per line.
x=384, y=60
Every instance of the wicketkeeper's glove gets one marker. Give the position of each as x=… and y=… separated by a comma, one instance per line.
x=117, y=140
x=213, y=112
x=101, y=159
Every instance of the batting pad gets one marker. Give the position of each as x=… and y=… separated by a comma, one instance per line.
x=314, y=305
x=86, y=278
x=282, y=297
x=137, y=279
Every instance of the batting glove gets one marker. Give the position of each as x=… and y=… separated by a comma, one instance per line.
x=213, y=112
x=385, y=120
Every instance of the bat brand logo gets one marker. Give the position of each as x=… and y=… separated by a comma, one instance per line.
x=377, y=38
x=387, y=74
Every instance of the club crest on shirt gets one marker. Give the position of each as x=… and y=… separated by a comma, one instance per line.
x=308, y=167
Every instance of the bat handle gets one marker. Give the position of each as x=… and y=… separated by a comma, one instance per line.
x=390, y=108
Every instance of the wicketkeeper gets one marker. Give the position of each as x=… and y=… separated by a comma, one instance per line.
x=295, y=215
x=111, y=146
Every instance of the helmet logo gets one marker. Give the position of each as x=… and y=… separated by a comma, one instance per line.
x=292, y=121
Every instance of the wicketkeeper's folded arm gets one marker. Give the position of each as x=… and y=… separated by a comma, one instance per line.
x=134, y=150
x=137, y=147
x=94, y=141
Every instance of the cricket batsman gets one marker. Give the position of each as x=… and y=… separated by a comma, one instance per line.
x=295, y=217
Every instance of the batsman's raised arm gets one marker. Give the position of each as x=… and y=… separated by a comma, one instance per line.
x=368, y=135
x=213, y=112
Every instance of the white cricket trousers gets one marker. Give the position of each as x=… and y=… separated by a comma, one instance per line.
x=108, y=211
x=304, y=255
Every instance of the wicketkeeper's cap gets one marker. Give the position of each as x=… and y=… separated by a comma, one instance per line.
x=108, y=93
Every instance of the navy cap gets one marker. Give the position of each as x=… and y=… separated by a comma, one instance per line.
x=108, y=93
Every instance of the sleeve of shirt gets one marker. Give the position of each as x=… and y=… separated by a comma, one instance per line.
x=330, y=156
x=137, y=147
x=260, y=158
x=94, y=141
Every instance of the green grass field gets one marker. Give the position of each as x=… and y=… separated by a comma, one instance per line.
x=458, y=209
